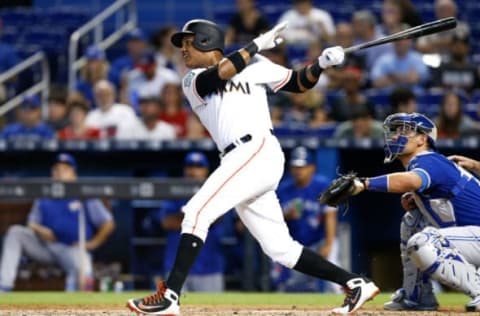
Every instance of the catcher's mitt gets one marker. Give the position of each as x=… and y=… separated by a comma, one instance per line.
x=341, y=189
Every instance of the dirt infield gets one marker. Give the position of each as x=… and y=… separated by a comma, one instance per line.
x=203, y=310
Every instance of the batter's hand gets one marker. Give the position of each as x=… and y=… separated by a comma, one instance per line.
x=467, y=163
x=271, y=38
x=331, y=56
x=408, y=202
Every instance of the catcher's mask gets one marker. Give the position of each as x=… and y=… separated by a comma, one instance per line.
x=207, y=35
x=399, y=127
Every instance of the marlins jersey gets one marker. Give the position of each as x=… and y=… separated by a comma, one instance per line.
x=450, y=195
x=241, y=107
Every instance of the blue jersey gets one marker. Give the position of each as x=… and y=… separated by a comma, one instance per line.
x=210, y=260
x=449, y=195
x=309, y=229
x=62, y=216
x=17, y=131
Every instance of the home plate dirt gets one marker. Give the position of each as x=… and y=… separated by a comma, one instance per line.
x=65, y=310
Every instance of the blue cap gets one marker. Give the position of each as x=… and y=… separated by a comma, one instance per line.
x=31, y=102
x=94, y=53
x=301, y=157
x=136, y=34
x=196, y=158
x=66, y=158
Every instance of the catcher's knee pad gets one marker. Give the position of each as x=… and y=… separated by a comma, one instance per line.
x=283, y=250
x=437, y=257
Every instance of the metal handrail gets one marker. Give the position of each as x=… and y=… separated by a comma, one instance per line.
x=42, y=86
x=96, y=24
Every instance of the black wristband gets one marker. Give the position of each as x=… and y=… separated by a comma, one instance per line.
x=251, y=48
x=304, y=80
x=315, y=69
x=237, y=61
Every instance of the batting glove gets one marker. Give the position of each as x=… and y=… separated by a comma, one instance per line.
x=271, y=38
x=331, y=56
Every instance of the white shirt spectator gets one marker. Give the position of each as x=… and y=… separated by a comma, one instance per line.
x=303, y=29
x=161, y=131
x=140, y=86
x=117, y=117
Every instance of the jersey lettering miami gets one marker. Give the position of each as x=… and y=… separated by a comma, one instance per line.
x=450, y=195
x=240, y=107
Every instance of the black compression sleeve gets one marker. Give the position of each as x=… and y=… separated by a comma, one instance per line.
x=292, y=84
x=209, y=81
x=237, y=60
x=304, y=79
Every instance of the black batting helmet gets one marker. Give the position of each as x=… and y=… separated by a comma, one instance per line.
x=207, y=35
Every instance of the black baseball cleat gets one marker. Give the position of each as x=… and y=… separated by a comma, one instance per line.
x=163, y=302
x=358, y=291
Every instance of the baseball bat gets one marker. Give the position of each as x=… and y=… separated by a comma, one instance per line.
x=414, y=32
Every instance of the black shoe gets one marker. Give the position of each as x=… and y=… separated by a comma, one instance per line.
x=163, y=302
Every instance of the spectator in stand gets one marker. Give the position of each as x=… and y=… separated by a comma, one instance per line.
x=452, y=122
x=361, y=125
x=441, y=42
x=109, y=116
x=51, y=235
x=402, y=67
x=246, y=24
x=148, y=126
x=307, y=23
x=403, y=100
x=298, y=116
x=398, y=12
x=365, y=29
x=206, y=274
x=77, y=129
x=147, y=79
x=350, y=96
x=95, y=69
x=174, y=111
x=195, y=128
x=166, y=54
x=458, y=72
x=309, y=222
x=57, y=108
x=343, y=38
x=30, y=125
x=136, y=45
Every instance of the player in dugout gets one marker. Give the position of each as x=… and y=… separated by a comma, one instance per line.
x=228, y=93
x=51, y=234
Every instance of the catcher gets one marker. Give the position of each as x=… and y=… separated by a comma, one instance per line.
x=440, y=232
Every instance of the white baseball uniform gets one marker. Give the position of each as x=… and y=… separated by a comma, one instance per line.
x=249, y=174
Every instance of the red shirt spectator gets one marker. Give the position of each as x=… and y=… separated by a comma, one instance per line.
x=173, y=110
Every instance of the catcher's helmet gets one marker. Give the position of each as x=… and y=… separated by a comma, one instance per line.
x=207, y=35
x=402, y=125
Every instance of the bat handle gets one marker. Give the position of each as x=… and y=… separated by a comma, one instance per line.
x=351, y=49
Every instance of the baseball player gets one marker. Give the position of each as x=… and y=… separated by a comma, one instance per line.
x=310, y=223
x=228, y=93
x=440, y=233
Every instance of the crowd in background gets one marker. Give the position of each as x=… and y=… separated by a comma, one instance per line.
x=138, y=95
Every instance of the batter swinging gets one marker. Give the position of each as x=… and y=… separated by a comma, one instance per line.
x=229, y=96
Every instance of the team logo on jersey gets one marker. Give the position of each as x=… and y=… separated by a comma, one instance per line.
x=187, y=81
x=75, y=206
x=231, y=86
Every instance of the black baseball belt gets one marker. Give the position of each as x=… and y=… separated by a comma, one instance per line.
x=242, y=140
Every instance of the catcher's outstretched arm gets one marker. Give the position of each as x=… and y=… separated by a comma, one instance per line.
x=399, y=182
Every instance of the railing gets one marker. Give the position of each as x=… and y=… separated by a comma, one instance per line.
x=40, y=87
x=96, y=24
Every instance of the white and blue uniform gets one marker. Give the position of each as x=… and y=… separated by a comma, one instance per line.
x=449, y=195
x=62, y=217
